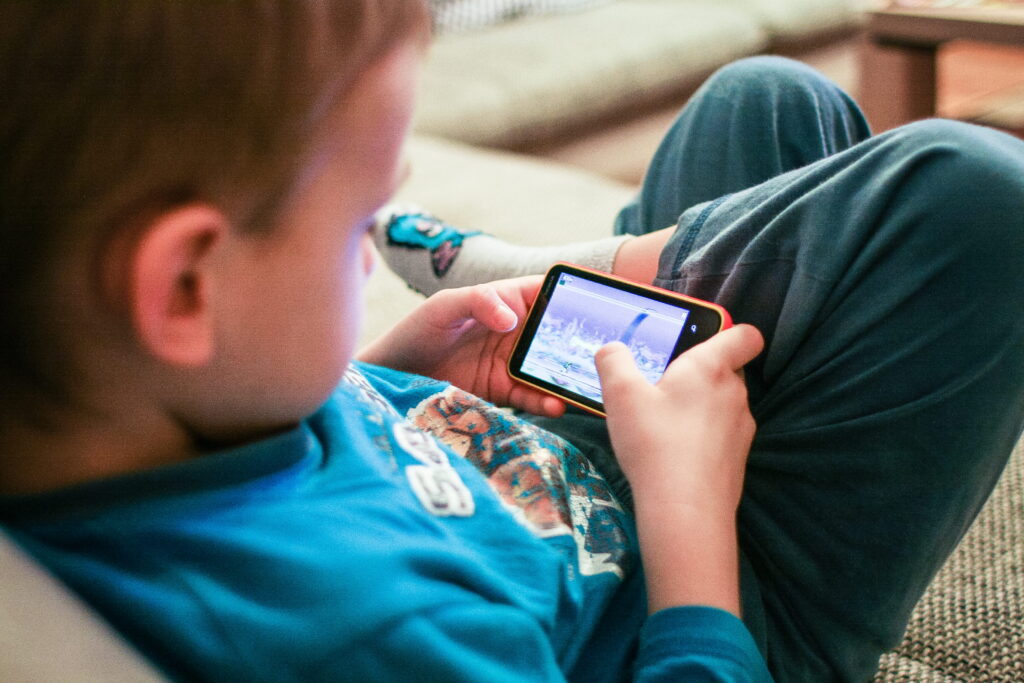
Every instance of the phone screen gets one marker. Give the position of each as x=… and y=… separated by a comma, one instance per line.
x=578, y=312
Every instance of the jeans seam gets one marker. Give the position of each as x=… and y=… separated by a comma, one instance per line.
x=798, y=268
x=691, y=233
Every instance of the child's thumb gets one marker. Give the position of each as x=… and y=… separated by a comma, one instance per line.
x=617, y=371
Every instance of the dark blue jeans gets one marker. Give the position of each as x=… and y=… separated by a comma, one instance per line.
x=887, y=276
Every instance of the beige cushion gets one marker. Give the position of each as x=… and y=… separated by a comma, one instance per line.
x=455, y=16
x=795, y=20
x=47, y=634
x=519, y=198
x=543, y=76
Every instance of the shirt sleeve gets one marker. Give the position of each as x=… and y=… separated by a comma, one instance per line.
x=482, y=642
x=698, y=644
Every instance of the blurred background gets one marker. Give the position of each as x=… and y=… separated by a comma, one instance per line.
x=594, y=83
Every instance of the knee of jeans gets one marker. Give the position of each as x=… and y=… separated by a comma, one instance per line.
x=971, y=180
x=791, y=93
x=972, y=162
x=765, y=72
x=945, y=133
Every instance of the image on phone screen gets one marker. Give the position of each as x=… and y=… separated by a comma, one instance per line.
x=582, y=316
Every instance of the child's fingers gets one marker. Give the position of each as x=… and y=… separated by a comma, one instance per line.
x=535, y=402
x=728, y=350
x=742, y=344
x=490, y=310
x=620, y=378
x=494, y=305
x=480, y=303
x=523, y=288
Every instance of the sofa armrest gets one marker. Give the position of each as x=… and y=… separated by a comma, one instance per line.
x=48, y=634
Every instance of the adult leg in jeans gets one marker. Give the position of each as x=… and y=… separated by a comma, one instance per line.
x=749, y=122
x=886, y=280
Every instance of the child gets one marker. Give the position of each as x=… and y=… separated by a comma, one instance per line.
x=185, y=209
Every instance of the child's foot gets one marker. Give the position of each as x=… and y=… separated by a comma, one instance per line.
x=431, y=255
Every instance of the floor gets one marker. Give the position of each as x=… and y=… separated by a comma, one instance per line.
x=976, y=81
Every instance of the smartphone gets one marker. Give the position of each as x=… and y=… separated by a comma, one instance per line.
x=579, y=310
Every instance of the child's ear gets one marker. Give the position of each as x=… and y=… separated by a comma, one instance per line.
x=172, y=282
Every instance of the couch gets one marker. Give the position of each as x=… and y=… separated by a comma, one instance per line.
x=518, y=84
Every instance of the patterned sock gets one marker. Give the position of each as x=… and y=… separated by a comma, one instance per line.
x=431, y=255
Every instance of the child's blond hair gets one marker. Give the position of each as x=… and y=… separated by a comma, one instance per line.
x=116, y=111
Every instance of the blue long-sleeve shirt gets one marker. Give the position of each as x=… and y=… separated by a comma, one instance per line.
x=406, y=531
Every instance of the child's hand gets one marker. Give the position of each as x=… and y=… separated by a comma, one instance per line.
x=465, y=336
x=683, y=445
x=694, y=425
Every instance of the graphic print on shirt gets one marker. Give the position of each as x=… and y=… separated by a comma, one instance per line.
x=367, y=392
x=545, y=481
x=435, y=482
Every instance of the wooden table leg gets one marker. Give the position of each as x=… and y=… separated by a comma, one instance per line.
x=898, y=83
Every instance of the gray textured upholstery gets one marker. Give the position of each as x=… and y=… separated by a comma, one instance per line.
x=969, y=626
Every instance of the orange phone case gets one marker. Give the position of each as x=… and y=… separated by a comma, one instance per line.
x=726, y=320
